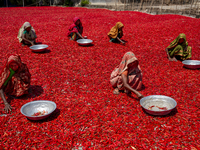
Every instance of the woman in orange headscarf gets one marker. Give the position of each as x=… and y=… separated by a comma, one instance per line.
x=127, y=76
x=116, y=33
x=14, y=79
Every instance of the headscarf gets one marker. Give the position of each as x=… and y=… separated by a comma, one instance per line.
x=114, y=30
x=21, y=74
x=176, y=41
x=134, y=73
x=23, y=28
x=78, y=28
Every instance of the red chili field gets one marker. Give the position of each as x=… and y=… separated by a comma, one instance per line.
x=88, y=115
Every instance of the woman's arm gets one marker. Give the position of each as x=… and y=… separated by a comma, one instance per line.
x=23, y=38
x=7, y=106
x=170, y=59
x=79, y=35
x=127, y=86
x=120, y=40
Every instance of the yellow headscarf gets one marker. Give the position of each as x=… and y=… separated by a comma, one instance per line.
x=114, y=30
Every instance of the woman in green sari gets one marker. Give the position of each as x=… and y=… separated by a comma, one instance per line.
x=179, y=49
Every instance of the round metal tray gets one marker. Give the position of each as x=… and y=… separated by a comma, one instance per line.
x=84, y=42
x=30, y=108
x=191, y=64
x=158, y=104
x=38, y=48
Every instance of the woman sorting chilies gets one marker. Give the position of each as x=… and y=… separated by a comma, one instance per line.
x=116, y=33
x=75, y=30
x=127, y=76
x=26, y=34
x=179, y=49
x=14, y=79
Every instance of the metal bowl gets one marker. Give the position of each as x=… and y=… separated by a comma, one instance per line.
x=38, y=48
x=38, y=106
x=191, y=64
x=158, y=104
x=84, y=42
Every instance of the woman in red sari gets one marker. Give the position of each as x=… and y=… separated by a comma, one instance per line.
x=127, y=76
x=75, y=30
x=14, y=79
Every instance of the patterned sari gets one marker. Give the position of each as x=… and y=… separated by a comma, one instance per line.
x=134, y=73
x=114, y=32
x=19, y=83
x=180, y=50
x=31, y=36
x=73, y=29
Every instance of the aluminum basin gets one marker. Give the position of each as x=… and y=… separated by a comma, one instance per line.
x=191, y=64
x=158, y=104
x=84, y=42
x=30, y=108
x=38, y=48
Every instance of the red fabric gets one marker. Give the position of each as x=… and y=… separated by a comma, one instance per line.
x=78, y=29
x=20, y=81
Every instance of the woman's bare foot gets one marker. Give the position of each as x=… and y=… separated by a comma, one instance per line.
x=116, y=91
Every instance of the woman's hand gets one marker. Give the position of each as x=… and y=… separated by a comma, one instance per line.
x=139, y=95
x=120, y=40
x=79, y=35
x=172, y=59
x=7, y=107
x=127, y=86
x=32, y=43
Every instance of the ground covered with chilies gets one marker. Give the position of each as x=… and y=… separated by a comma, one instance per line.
x=76, y=78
